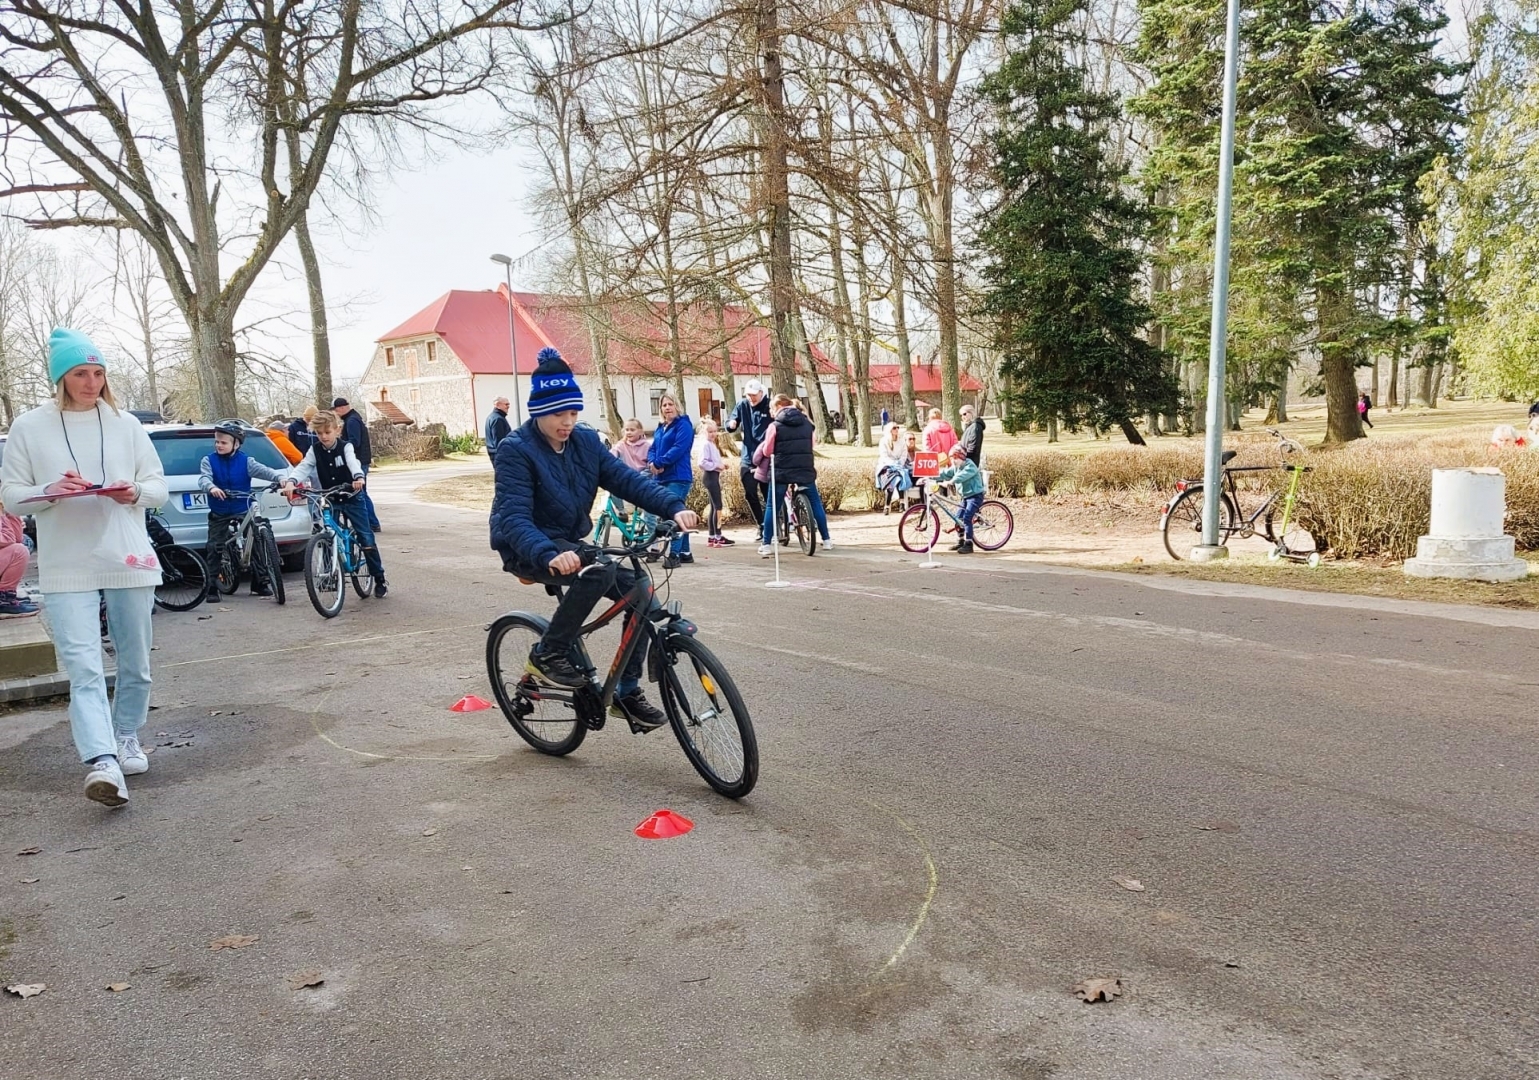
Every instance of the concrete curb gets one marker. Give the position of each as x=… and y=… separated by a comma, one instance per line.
x=40, y=688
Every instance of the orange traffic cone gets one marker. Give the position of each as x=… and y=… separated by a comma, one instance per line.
x=470, y=703
x=663, y=824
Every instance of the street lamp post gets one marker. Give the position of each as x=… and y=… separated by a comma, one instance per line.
x=518, y=410
x=1219, y=330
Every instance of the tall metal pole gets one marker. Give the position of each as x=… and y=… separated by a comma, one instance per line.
x=518, y=409
x=1212, y=472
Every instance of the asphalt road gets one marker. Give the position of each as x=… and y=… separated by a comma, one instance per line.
x=1331, y=805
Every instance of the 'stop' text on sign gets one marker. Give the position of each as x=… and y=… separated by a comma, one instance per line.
x=926, y=463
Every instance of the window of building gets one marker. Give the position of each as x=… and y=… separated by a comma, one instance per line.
x=657, y=402
x=432, y=349
x=384, y=393
x=416, y=396
x=389, y=356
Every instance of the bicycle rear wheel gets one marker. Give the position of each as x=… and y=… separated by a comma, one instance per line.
x=543, y=716
x=993, y=526
x=323, y=574
x=782, y=525
x=918, y=528
x=267, y=562
x=1181, y=525
x=184, y=579
x=708, y=717
x=806, y=531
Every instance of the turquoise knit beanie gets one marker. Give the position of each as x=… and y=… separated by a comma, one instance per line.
x=68, y=349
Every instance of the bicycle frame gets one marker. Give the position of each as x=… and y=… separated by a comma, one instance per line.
x=627, y=524
x=347, y=542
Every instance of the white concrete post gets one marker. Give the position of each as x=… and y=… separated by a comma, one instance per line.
x=1466, y=538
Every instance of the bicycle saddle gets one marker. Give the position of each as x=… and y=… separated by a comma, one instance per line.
x=1227, y=456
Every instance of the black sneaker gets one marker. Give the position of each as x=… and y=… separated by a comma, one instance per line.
x=671, y=561
x=642, y=714
x=261, y=590
x=380, y=588
x=554, y=668
x=965, y=547
x=686, y=557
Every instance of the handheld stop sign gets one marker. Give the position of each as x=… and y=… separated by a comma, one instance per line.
x=926, y=464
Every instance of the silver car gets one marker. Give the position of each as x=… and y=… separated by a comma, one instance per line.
x=182, y=448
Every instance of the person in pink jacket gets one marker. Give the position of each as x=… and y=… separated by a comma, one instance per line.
x=939, y=437
x=13, y=564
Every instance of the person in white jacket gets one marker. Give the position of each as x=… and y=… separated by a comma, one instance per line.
x=87, y=471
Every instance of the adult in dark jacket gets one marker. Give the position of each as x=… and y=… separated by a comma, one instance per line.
x=789, y=442
x=356, y=432
x=299, y=430
x=548, y=474
x=497, y=427
x=672, y=444
x=972, y=435
x=749, y=421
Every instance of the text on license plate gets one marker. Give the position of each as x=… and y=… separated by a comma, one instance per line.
x=194, y=500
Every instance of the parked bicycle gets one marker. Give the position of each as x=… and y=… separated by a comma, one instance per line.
x=251, y=549
x=334, y=555
x=1272, y=518
x=919, y=528
x=634, y=526
x=183, y=573
x=704, y=708
x=796, y=517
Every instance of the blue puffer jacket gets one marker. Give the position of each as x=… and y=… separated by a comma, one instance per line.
x=542, y=501
x=671, y=448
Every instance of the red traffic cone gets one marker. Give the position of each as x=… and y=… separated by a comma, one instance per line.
x=470, y=703
x=663, y=824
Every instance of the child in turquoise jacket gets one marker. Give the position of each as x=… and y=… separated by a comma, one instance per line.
x=968, y=478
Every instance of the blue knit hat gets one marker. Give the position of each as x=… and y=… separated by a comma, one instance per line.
x=553, y=388
x=68, y=349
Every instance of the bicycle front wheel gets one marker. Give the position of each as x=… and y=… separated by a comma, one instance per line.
x=918, y=528
x=806, y=531
x=993, y=526
x=184, y=579
x=227, y=573
x=1181, y=526
x=708, y=717
x=542, y=715
x=269, y=563
x=1295, y=541
x=323, y=574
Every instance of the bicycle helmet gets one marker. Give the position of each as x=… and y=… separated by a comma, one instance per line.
x=232, y=429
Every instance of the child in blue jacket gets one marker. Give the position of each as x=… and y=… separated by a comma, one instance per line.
x=968, y=478
x=673, y=443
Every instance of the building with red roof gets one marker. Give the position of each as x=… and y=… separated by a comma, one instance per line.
x=450, y=361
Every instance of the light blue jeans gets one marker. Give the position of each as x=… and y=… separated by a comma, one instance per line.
x=74, y=618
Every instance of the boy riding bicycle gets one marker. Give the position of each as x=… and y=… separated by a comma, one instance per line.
x=968, y=478
x=225, y=477
x=548, y=474
x=331, y=463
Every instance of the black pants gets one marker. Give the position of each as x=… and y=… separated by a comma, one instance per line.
x=220, y=527
x=581, y=596
x=754, y=492
x=712, y=482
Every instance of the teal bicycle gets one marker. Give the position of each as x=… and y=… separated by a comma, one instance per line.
x=635, y=527
x=332, y=554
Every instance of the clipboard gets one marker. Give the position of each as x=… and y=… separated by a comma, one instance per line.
x=98, y=490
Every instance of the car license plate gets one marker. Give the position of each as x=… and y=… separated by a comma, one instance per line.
x=194, y=500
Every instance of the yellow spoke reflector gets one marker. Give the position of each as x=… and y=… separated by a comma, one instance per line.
x=707, y=682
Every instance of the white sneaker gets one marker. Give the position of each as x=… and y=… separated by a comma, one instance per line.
x=104, y=783
x=766, y=550
x=827, y=544
x=131, y=756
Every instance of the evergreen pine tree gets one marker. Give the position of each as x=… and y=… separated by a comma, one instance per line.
x=1062, y=268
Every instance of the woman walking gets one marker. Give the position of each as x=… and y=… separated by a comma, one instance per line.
x=672, y=444
x=94, y=471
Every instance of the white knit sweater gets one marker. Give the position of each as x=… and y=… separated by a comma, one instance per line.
x=73, y=549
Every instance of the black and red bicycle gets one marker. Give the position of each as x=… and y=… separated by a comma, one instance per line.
x=703, y=705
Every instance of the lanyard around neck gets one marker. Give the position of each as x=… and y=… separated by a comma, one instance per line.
x=101, y=439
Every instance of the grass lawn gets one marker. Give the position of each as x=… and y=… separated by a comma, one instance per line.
x=1366, y=579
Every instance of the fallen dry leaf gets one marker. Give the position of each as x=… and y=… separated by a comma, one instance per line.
x=306, y=979
x=30, y=851
x=26, y=990
x=148, y=749
x=1130, y=884
x=30, y=880
x=428, y=832
x=1217, y=826
x=233, y=941
x=1098, y=989
x=118, y=988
